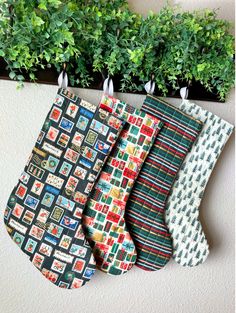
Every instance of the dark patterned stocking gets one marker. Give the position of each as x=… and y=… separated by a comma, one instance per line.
x=43, y=214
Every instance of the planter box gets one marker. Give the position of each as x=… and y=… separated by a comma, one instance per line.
x=50, y=75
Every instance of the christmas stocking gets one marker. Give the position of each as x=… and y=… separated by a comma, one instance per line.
x=146, y=206
x=103, y=217
x=44, y=212
x=190, y=246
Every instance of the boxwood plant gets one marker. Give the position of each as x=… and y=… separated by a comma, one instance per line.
x=175, y=47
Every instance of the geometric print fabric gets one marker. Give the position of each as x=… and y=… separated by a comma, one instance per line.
x=106, y=230
x=44, y=211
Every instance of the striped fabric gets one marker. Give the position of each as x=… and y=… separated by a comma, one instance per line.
x=146, y=206
x=190, y=247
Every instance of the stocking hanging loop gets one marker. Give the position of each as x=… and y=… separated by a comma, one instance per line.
x=184, y=93
x=108, y=86
x=150, y=85
x=63, y=77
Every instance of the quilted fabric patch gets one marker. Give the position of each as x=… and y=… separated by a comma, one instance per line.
x=146, y=206
x=44, y=211
x=190, y=246
x=104, y=221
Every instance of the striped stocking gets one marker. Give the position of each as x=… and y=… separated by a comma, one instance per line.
x=146, y=207
x=190, y=246
x=104, y=222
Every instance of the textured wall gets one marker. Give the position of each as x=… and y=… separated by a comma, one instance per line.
x=208, y=288
x=226, y=7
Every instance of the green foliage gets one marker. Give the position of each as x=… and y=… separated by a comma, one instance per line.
x=199, y=47
x=145, y=51
x=98, y=35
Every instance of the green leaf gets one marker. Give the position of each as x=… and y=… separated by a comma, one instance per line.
x=12, y=75
x=201, y=67
x=36, y=20
x=43, y=5
x=54, y=3
x=172, y=44
x=32, y=76
x=20, y=77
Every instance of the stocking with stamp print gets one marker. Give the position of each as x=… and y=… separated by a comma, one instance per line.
x=44, y=210
x=103, y=217
x=146, y=206
x=190, y=246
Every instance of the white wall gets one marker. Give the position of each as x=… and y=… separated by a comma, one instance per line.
x=226, y=7
x=208, y=288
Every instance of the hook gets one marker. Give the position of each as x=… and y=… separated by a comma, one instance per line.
x=63, y=78
x=150, y=85
x=104, y=73
x=118, y=32
x=153, y=84
x=184, y=92
x=64, y=70
x=108, y=86
x=10, y=9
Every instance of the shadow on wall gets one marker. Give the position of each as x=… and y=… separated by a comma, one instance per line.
x=210, y=228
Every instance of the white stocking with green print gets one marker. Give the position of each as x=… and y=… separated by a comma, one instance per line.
x=190, y=246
